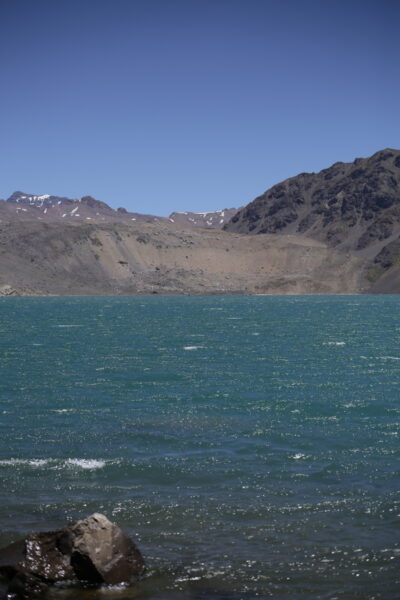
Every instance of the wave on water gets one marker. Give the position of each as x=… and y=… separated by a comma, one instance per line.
x=83, y=463
x=334, y=343
x=380, y=357
x=80, y=463
x=33, y=462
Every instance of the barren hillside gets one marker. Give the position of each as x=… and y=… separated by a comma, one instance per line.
x=143, y=258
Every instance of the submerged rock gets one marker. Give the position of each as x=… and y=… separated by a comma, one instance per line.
x=92, y=550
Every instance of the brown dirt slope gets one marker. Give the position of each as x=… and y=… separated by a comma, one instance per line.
x=143, y=258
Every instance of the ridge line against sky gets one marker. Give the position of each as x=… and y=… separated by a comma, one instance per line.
x=180, y=105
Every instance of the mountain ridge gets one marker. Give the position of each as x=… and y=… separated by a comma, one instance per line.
x=50, y=207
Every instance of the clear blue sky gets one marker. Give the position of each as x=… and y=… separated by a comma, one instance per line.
x=162, y=105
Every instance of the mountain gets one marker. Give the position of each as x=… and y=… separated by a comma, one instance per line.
x=52, y=208
x=39, y=201
x=353, y=207
x=49, y=208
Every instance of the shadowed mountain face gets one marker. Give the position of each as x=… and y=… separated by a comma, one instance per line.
x=351, y=205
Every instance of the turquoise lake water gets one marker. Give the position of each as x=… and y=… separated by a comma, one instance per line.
x=249, y=445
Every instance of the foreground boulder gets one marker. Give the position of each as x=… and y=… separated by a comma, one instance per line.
x=91, y=551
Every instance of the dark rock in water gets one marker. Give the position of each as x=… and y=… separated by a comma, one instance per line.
x=25, y=586
x=39, y=555
x=92, y=550
x=44, y=559
x=101, y=552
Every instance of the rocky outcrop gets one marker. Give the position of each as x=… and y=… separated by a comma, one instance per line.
x=384, y=273
x=101, y=552
x=355, y=206
x=352, y=207
x=91, y=551
x=214, y=219
x=8, y=290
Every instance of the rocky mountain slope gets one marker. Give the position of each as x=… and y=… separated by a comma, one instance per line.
x=353, y=207
x=74, y=258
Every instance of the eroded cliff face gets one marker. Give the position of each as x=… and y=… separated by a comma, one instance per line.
x=143, y=258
